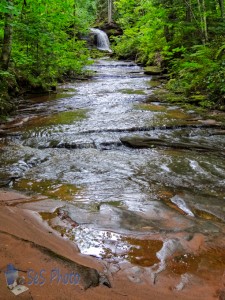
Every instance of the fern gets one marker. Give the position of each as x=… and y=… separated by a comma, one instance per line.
x=220, y=52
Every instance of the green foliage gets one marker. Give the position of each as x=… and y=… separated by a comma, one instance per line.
x=142, y=25
x=184, y=37
x=216, y=80
x=126, y=46
x=198, y=70
x=220, y=52
x=46, y=44
x=102, y=10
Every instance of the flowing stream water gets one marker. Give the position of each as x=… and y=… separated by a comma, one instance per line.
x=158, y=208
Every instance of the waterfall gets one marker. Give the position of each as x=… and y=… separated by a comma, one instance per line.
x=102, y=40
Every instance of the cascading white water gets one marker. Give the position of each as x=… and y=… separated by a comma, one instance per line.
x=102, y=40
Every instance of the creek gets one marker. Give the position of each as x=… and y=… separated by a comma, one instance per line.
x=119, y=193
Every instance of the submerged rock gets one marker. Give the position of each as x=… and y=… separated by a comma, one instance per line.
x=146, y=142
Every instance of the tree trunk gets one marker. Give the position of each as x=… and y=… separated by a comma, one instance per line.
x=188, y=11
x=109, y=11
x=74, y=22
x=221, y=3
x=205, y=21
x=7, y=41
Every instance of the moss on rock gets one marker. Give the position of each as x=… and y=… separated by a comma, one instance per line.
x=152, y=70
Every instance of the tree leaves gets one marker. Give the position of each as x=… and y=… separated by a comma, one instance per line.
x=45, y=44
x=187, y=35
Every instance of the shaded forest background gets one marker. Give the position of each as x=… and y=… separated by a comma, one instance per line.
x=42, y=42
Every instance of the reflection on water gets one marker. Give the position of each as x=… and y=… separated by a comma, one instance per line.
x=116, y=248
x=157, y=208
